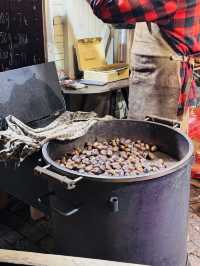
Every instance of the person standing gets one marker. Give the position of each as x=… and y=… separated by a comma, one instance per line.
x=167, y=38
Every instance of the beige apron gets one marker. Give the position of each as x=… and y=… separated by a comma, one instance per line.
x=155, y=80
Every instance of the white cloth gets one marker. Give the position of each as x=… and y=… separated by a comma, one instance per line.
x=20, y=141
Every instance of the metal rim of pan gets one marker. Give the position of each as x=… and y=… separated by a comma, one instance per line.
x=125, y=179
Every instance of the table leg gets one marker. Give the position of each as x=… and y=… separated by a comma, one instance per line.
x=125, y=93
x=3, y=200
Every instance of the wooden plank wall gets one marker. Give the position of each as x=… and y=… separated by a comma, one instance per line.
x=52, y=8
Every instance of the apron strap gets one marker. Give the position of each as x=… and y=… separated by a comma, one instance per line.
x=149, y=27
x=189, y=82
x=187, y=88
x=190, y=60
x=184, y=59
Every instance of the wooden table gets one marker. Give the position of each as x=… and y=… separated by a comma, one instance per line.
x=95, y=98
x=36, y=259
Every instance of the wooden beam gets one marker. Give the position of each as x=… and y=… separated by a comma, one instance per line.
x=45, y=17
x=37, y=259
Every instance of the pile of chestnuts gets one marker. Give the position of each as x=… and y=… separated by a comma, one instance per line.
x=115, y=157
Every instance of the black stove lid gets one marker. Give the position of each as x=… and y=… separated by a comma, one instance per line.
x=31, y=93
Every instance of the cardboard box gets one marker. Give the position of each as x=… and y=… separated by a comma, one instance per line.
x=92, y=61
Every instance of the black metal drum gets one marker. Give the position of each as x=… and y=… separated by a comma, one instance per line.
x=139, y=219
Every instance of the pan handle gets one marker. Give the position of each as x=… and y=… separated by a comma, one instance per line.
x=70, y=183
x=163, y=120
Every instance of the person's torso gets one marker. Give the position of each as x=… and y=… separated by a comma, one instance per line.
x=180, y=32
x=149, y=41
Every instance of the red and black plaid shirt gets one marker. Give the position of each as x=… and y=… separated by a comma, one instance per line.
x=179, y=22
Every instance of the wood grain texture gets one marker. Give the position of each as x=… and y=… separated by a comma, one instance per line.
x=37, y=259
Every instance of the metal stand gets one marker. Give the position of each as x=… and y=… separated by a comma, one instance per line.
x=188, y=261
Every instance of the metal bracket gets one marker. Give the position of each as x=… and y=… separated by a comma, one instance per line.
x=70, y=183
x=164, y=121
x=45, y=196
x=62, y=213
x=114, y=204
x=66, y=213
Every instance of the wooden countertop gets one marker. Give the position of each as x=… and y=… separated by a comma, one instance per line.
x=36, y=259
x=91, y=89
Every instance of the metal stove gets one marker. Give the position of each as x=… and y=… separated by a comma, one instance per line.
x=33, y=95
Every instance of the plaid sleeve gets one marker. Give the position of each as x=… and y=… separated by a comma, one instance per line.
x=132, y=11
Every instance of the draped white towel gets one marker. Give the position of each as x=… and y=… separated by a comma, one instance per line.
x=20, y=141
